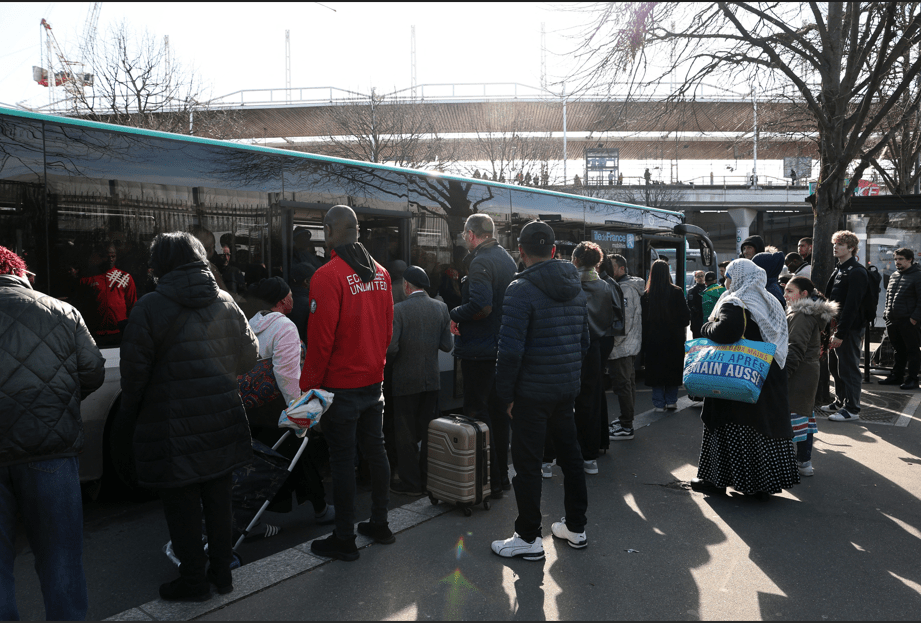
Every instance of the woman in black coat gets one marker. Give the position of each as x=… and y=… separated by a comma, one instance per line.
x=665, y=320
x=748, y=447
x=183, y=348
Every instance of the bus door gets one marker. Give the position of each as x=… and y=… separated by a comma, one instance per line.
x=385, y=234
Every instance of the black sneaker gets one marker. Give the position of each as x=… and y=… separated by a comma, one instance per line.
x=223, y=586
x=334, y=547
x=619, y=433
x=909, y=384
x=403, y=488
x=181, y=590
x=890, y=380
x=380, y=532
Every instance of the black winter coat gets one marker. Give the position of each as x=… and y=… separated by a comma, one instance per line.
x=489, y=271
x=544, y=334
x=696, y=305
x=770, y=416
x=182, y=351
x=846, y=287
x=664, y=345
x=48, y=363
x=903, y=295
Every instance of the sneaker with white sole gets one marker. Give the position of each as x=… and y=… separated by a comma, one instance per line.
x=546, y=470
x=659, y=409
x=829, y=408
x=805, y=469
x=619, y=433
x=590, y=467
x=328, y=515
x=843, y=415
x=576, y=540
x=672, y=406
x=516, y=547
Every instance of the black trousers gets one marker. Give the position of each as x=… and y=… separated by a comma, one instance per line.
x=183, y=508
x=533, y=422
x=412, y=415
x=482, y=403
x=906, y=341
x=588, y=403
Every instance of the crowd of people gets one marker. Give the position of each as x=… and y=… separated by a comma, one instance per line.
x=538, y=343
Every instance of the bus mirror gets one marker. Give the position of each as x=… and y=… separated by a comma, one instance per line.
x=706, y=254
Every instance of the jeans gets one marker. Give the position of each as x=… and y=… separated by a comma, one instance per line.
x=804, y=449
x=183, y=507
x=482, y=403
x=662, y=396
x=47, y=493
x=588, y=403
x=906, y=340
x=412, y=416
x=356, y=415
x=532, y=422
x=844, y=364
x=623, y=376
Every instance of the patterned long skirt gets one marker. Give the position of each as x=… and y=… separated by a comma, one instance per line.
x=740, y=457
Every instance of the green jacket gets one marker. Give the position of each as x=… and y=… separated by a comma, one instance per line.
x=710, y=296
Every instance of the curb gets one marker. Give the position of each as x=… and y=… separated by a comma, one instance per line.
x=266, y=572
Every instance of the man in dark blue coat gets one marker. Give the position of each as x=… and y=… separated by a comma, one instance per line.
x=476, y=322
x=542, y=341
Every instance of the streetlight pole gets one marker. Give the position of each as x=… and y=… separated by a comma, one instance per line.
x=564, y=134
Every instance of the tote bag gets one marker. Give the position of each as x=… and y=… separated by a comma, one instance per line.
x=258, y=386
x=728, y=371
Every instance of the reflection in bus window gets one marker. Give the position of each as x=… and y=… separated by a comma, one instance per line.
x=106, y=296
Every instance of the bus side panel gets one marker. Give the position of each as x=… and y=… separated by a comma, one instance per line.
x=95, y=411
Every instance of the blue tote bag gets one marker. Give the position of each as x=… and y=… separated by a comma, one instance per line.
x=728, y=371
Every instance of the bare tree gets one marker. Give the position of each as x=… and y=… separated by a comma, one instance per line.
x=387, y=129
x=840, y=60
x=138, y=83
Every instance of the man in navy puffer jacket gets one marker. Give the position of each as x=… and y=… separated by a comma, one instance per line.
x=542, y=341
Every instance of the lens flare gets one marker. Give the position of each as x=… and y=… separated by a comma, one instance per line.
x=459, y=585
x=459, y=548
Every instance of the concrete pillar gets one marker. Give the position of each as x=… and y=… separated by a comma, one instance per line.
x=742, y=218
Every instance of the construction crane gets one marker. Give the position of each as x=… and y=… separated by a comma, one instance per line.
x=73, y=81
x=89, y=32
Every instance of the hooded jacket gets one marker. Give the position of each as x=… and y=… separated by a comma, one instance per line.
x=182, y=351
x=772, y=263
x=489, y=271
x=903, y=295
x=599, y=304
x=544, y=334
x=351, y=322
x=48, y=363
x=754, y=241
x=629, y=345
x=806, y=318
x=847, y=286
x=279, y=341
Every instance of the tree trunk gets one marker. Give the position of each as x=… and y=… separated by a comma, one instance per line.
x=829, y=207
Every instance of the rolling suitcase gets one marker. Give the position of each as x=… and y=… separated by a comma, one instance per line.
x=458, y=462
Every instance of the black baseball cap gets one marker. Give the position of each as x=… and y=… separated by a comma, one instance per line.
x=537, y=232
x=417, y=277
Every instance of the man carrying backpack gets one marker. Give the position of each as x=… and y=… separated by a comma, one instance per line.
x=902, y=315
x=847, y=287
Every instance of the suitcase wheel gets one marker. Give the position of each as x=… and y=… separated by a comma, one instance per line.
x=486, y=504
x=468, y=511
x=433, y=500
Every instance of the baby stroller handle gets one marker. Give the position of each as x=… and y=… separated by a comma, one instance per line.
x=265, y=505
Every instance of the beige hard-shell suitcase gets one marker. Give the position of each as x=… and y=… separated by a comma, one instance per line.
x=458, y=462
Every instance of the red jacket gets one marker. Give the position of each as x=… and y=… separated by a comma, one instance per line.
x=350, y=327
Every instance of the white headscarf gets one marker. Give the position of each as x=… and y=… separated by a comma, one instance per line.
x=747, y=290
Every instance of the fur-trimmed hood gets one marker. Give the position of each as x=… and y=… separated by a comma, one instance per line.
x=812, y=306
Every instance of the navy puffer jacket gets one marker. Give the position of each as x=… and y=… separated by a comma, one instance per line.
x=772, y=263
x=490, y=270
x=544, y=334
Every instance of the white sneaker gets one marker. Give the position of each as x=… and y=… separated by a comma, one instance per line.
x=672, y=407
x=660, y=409
x=590, y=467
x=830, y=408
x=518, y=547
x=546, y=470
x=560, y=531
x=843, y=415
x=805, y=469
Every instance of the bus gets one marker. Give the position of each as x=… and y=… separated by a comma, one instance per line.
x=79, y=197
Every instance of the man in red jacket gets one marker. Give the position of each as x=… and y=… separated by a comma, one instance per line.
x=351, y=323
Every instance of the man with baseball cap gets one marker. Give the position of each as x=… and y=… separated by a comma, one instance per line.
x=421, y=326
x=543, y=338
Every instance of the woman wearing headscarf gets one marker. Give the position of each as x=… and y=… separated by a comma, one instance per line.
x=665, y=320
x=748, y=446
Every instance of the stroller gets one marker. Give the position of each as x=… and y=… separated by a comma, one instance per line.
x=255, y=484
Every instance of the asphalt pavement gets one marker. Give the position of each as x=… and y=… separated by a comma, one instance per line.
x=844, y=544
